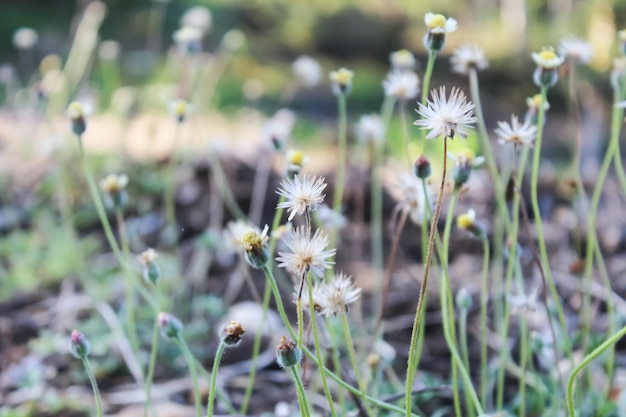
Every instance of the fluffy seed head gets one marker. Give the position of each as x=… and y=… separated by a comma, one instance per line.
x=516, y=133
x=337, y=295
x=468, y=57
x=308, y=253
x=446, y=117
x=370, y=129
x=401, y=85
x=576, y=50
x=307, y=71
x=302, y=194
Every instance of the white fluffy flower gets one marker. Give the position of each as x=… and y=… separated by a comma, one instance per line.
x=278, y=129
x=467, y=57
x=198, y=17
x=413, y=198
x=307, y=71
x=446, y=117
x=308, y=253
x=438, y=23
x=301, y=194
x=370, y=129
x=516, y=132
x=576, y=50
x=337, y=295
x=402, y=85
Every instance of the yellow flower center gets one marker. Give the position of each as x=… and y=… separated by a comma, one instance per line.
x=464, y=221
x=437, y=21
x=252, y=240
x=537, y=100
x=180, y=108
x=547, y=55
x=468, y=154
x=343, y=76
x=296, y=158
x=75, y=110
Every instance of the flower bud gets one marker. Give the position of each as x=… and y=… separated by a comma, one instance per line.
x=79, y=345
x=170, y=326
x=548, y=63
x=77, y=112
x=232, y=333
x=467, y=221
x=151, y=270
x=438, y=26
x=255, y=245
x=287, y=353
x=341, y=81
x=464, y=300
x=422, y=168
x=114, y=188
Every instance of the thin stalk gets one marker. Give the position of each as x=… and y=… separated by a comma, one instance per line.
x=432, y=55
x=523, y=344
x=484, y=299
x=153, y=355
x=94, y=386
x=405, y=131
x=418, y=311
x=302, y=398
x=355, y=364
x=596, y=352
x=170, y=186
x=216, y=365
x=220, y=179
x=318, y=349
x=341, y=165
x=335, y=356
x=538, y=223
x=465, y=355
x=182, y=345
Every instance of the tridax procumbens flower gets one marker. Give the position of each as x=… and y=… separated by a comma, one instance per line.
x=180, y=109
x=337, y=295
x=438, y=26
x=151, y=270
x=467, y=221
x=522, y=134
x=254, y=243
x=341, y=81
x=287, y=353
x=446, y=117
x=370, y=129
x=77, y=113
x=295, y=159
x=534, y=104
x=548, y=63
x=303, y=193
x=307, y=71
x=308, y=253
x=402, y=60
x=575, y=50
x=468, y=57
x=464, y=162
x=114, y=188
x=412, y=197
x=401, y=85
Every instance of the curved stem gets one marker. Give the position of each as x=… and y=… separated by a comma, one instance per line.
x=418, y=311
x=484, y=299
x=152, y=363
x=94, y=386
x=465, y=354
x=302, y=399
x=182, y=345
x=216, y=365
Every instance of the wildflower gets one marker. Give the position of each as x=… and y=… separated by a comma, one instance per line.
x=180, y=109
x=302, y=194
x=337, y=295
x=401, y=85
x=232, y=333
x=308, y=253
x=114, y=188
x=25, y=38
x=188, y=39
x=464, y=163
x=446, y=117
x=307, y=71
x=468, y=57
x=576, y=50
x=402, y=60
x=467, y=221
x=79, y=345
x=522, y=304
x=295, y=161
x=287, y=353
x=306, y=300
x=370, y=129
x=341, y=81
x=170, y=326
x=534, y=103
x=278, y=129
x=197, y=17
x=151, y=270
x=254, y=243
x=463, y=299
x=329, y=218
x=438, y=26
x=548, y=63
x=77, y=112
x=516, y=132
x=422, y=168
x=414, y=199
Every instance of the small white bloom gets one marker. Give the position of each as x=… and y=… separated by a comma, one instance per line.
x=341, y=81
x=302, y=194
x=468, y=57
x=337, y=295
x=25, y=38
x=277, y=130
x=308, y=253
x=547, y=59
x=402, y=85
x=147, y=257
x=370, y=129
x=438, y=23
x=252, y=238
x=198, y=17
x=402, y=60
x=534, y=102
x=466, y=157
x=188, y=39
x=516, y=132
x=180, y=108
x=446, y=117
x=329, y=218
x=576, y=50
x=78, y=110
x=306, y=300
x=522, y=303
x=307, y=71
x=414, y=199
x=114, y=183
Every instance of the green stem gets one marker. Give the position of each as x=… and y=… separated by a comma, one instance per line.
x=94, y=386
x=465, y=355
x=405, y=132
x=341, y=166
x=318, y=349
x=484, y=299
x=302, y=399
x=182, y=345
x=594, y=354
x=151, y=365
x=432, y=55
x=523, y=344
x=216, y=365
x=539, y=225
x=355, y=364
x=424, y=287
